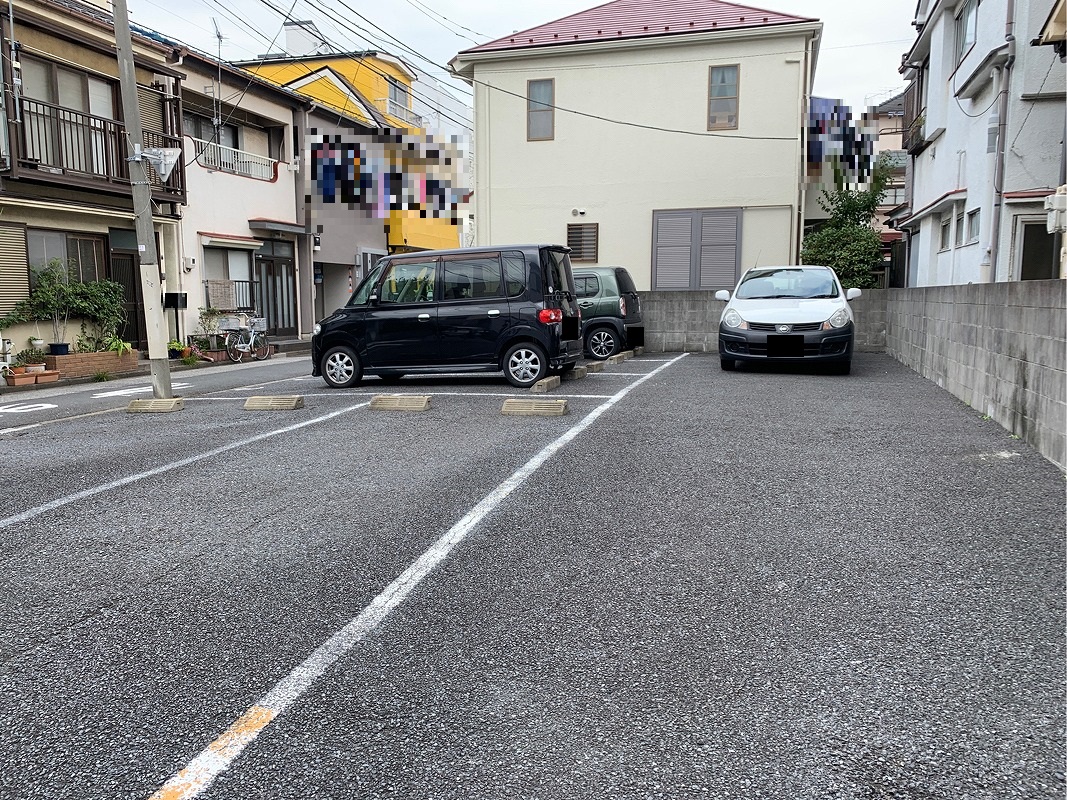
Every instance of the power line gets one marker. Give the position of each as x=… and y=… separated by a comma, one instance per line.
x=626, y=123
x=426, y=12
x=461, y=122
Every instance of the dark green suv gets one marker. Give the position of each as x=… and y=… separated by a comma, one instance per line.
x=611, y=310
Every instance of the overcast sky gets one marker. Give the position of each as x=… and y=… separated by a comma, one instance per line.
x=858, y=59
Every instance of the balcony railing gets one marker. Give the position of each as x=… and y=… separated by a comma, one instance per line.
x=394, y=109
x=914, y=122
x=232, y=295
x=212, y=155
x=61, y=141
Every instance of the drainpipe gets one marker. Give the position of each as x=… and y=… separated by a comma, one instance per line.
x=13, y=60
x=990, y=270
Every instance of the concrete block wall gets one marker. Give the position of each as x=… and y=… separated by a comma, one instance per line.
x=999, y=347
x=689, y=321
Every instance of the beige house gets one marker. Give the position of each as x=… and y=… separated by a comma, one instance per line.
x=668, y=140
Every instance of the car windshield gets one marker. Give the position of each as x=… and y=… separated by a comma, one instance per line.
x=794, y=283
x=359, y=298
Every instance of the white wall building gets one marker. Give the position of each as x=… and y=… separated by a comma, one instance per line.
x=665, y=139
x=984, y=119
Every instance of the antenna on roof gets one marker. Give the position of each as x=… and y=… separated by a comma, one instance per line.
x=216, y=99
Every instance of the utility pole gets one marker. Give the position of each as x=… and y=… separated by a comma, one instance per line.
x=151, y=280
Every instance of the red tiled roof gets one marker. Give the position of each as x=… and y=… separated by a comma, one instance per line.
x=633, y=19
x=1026, y=194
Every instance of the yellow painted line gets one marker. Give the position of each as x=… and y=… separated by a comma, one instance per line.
x=203, y=769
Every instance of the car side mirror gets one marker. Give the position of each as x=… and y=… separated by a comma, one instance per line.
x=372, y=300
x=852, y=294
x=723, y=295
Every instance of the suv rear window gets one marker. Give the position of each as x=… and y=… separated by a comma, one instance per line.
x=626, y=283
x=555, y=273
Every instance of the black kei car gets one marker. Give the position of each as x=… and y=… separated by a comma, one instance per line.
x=483, y=309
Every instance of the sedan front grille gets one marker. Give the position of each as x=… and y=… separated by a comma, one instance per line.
x=798, y=327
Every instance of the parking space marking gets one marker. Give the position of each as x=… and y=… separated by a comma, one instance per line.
x=23, y=408
x=196, y=776
x=37, y=511
x=137, y=390
x=61, y=419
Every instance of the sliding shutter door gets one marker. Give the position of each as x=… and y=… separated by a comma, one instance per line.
x=673, y=249
x=720, y=233
x=14, y=268
x=697, y=249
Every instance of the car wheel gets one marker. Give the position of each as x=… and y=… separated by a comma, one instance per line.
x=602, y=343
x=341, y=368
x=390, y=377
x=525, y=364
x=727, y=364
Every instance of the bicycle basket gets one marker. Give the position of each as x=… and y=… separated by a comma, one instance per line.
x=258, y=324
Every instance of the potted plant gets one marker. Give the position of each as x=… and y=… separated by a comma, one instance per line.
x=53, y=299
x=31, y=359
x=36, y=342
x=174, y=348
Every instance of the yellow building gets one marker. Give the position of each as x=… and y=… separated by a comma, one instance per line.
x=370, y=86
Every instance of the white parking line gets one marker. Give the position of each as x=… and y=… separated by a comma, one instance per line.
x=201, y=771
x=95, y=490
x=137, y=390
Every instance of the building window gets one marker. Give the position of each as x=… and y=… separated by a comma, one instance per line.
x=946, y=234
x=959, y=229
x=966, y=29
x=894, y=196
x=583, y=240
x=83, y=254
x=200, y=127
x=540, y=110
x=974, y=224
x=722, y=97
x=398, y=93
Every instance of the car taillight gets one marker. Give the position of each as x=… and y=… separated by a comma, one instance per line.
x=547, y=315
x=622, y=306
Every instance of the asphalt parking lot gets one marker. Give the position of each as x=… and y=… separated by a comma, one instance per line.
x=773, y=583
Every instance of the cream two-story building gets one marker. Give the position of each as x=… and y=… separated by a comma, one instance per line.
x=668, y=140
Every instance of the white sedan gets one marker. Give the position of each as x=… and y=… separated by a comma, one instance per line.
x=783, y=314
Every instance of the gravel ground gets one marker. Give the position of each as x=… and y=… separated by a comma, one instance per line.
x=769, y=584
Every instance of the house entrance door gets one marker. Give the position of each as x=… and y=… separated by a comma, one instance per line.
x=123, y=269
x=276, y=285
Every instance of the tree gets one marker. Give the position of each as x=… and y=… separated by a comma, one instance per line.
x=846, y=241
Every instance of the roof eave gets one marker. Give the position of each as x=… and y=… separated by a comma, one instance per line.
x=462, y=62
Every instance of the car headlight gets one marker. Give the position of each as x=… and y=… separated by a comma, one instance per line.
x=839, y=320
x=316, y=330
x=733, y=320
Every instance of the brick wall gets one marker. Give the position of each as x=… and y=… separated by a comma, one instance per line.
x=84, y=365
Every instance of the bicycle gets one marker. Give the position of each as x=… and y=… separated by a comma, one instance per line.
x=249, y=339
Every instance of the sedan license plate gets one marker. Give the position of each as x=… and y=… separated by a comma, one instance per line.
x=785, y=346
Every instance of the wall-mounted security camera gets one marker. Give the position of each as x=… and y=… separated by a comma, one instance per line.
x=581, y=212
